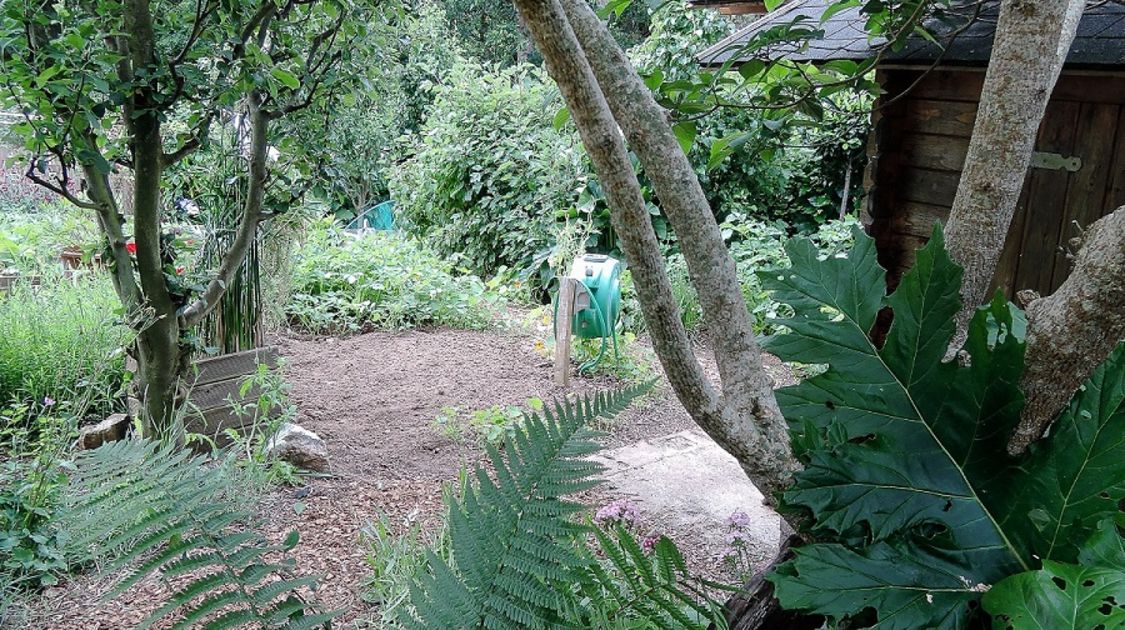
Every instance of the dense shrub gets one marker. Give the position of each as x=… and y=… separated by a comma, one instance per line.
x=757, y=246
x=348, y=282
x=489, y=171
x=62, y=341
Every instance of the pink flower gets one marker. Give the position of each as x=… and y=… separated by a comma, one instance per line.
x=619, y=511
x=48, y=401
x=179, y=270
x=649, y=543
x=741, y=520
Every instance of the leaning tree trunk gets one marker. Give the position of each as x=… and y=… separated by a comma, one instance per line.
x=1071, y=332
x=629, y=215
x=751, y=427
x=1033, y=38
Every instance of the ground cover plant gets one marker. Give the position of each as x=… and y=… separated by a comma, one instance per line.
x=63, y=341
x=348, y=282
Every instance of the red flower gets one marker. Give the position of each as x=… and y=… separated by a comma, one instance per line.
x=179, y=270
x=131, y=247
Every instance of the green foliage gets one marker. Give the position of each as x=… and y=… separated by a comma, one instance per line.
x=649, y=578
x=408, y=51
x=678, y=33
x=493, y=425
x=517, y=558
x=264, y=416
x=754, y=245
x=63, y=340
x=31, y=478
x=914, y=504
x=395, y=559
x=153, y=508
x=32, y=239
x=490, y=33
x=1090, y=594
x=350, y=282
x=488, y=171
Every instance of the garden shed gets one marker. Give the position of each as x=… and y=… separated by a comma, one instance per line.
x=923, y=122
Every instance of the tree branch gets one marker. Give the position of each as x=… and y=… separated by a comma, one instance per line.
x=1072, y=332
x=757, y=433
x=110, y=221
x=1033, y=38
x=248, y=224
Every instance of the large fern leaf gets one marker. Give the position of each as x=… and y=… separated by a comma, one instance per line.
x=905, y=472
x=511, y=533
x=146, y=508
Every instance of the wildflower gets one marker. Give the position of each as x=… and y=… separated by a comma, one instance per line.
x=179, y=271
x=736, y=538
x=741, y=520
x=619, y=511
x=131, y=247
x=48, y=401
x=649, y=543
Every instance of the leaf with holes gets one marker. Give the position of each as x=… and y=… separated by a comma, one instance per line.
x=1090, y=595
x=906, y=477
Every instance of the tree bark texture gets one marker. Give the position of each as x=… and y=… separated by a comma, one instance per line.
x=567, y=65
x=1033, y=38
x=751, y=427
x=1071, y=332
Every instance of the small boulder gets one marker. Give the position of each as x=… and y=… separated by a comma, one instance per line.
x=111, y=429
x=300, y=447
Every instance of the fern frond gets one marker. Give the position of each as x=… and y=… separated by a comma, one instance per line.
x=512, y=535
x=151, y=509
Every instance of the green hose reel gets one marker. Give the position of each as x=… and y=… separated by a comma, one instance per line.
x=597, y=302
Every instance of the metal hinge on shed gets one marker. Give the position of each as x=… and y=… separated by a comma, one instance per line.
x=1056, y=162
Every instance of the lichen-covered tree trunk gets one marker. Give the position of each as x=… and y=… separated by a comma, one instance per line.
x=755, y=431
x=1033, y=38
x=603, y=91
x=1071, y=332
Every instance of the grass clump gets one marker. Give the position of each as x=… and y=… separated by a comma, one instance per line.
x=347, y=282
x=63, y=340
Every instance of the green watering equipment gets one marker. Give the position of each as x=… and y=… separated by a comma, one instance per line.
x=378, y=217
x=597, y=302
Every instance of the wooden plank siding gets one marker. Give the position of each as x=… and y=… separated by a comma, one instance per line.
x=922, y=130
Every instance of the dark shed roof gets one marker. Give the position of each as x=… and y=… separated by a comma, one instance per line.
x=1100, y=40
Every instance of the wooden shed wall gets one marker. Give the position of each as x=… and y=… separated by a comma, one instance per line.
x=919, y=148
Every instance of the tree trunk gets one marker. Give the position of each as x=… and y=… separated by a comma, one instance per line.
x=629, y=215
x=1033, y=38
x=750, y=425
x=1071, y=332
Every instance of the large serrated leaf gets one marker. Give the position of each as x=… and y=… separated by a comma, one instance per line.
x=1090, y=595
x=905, y=460
x=1075, y=477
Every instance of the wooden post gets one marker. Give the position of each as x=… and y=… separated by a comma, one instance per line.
x=563, y=320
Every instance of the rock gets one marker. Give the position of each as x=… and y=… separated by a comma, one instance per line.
x=111, y=429
x=300, y=447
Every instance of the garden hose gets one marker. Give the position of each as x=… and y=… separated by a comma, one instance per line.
x=592, y=363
